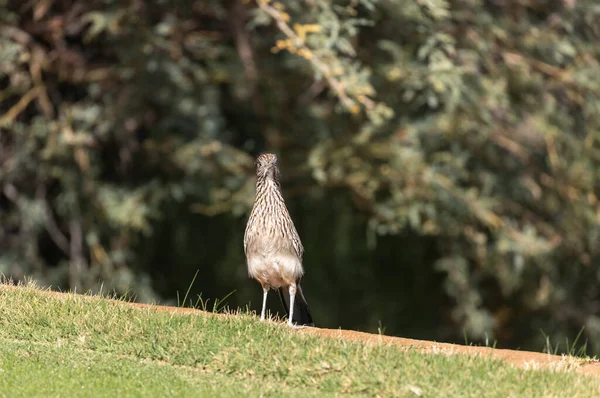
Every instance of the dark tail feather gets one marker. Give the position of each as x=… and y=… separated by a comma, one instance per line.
x=301, y=312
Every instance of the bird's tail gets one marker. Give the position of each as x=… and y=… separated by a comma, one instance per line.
x=301, y=312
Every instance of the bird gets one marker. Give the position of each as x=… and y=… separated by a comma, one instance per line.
x=272, y=245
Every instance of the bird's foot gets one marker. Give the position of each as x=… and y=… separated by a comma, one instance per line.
x=293, y=326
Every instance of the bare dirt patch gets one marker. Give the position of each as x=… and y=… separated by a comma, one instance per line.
x=523, y=359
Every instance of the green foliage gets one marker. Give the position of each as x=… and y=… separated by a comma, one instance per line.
x=462, y=137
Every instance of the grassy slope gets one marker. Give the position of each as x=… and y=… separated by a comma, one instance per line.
x=76, y=346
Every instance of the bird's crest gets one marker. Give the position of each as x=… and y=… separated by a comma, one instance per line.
x=266, y=159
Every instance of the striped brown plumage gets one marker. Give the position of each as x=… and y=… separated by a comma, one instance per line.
x=272, y=245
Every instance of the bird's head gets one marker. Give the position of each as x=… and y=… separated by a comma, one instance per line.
x=267, y=166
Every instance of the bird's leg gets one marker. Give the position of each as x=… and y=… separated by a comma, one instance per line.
x=292, y=298
x=264, y=306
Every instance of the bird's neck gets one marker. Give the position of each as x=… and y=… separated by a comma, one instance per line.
x=268, y=186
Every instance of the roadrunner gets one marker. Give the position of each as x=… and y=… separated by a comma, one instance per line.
x=272, y=245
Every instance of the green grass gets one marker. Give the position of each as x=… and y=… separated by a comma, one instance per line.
x=574, y=348
x=73, y=346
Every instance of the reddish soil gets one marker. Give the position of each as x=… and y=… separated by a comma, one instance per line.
x=523, y=359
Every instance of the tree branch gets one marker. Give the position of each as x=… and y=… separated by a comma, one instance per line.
x=336, y=85
x=55, y=233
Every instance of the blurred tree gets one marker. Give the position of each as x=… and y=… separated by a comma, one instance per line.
x=440, y=158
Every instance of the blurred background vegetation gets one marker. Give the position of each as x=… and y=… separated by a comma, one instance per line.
x=440, y=158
